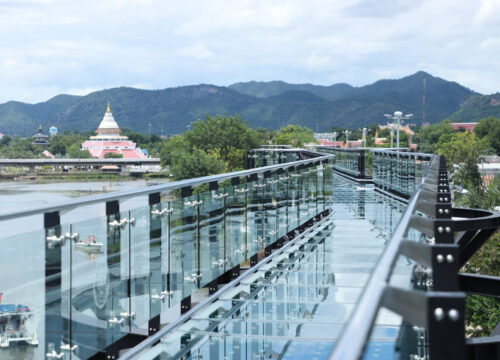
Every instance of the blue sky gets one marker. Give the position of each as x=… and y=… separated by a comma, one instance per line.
x=49, y=47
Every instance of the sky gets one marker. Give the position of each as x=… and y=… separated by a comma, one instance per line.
x=48, y=47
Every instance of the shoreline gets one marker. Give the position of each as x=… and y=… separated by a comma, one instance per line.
x=81, y=177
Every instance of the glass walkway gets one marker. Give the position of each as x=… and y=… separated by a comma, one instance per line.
x=295, y=305
x=332, y=254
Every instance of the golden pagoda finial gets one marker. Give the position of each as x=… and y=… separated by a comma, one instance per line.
x=109, y=110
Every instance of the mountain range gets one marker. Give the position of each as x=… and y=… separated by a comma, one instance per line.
x=266, y=104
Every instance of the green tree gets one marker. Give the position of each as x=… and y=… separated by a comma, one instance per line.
x=229, y=136
x=57, y=147
x=110, y=155
x=225, y=141
x=196, y=163
x=85, y=154
x=5, y=141
x=483, y=313
x=295, y=135
x=174, y=146
x=74, y=151
x=428, y=137
x=489, y=129
x=463, y=149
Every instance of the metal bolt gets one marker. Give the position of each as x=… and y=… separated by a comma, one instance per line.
x=440, y=199
x=440, y=229
x=449, y=258
x=440, y=258
x=446, y=211
x=439, y=314
x=446, y=199
x=453, y=315
x=448, y=229
x=440, y=211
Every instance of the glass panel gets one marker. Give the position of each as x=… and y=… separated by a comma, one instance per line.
x=282, y=202
x=304, y=195
x=313, y=178
x=271, y=209
x=293, y=199
x=99, y=296
x=139, y=227
x=159, y=260
x=255, y=217
x=213, y=258
x=184, y=255
x=236, y=224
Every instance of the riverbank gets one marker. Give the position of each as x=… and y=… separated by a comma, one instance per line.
x=83, y=177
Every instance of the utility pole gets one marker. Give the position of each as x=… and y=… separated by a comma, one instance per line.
x=398, y=118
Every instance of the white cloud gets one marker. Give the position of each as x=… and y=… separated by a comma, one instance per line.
x=53, y=46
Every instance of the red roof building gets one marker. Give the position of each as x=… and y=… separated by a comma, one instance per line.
x=324, y=142
x=466, y=126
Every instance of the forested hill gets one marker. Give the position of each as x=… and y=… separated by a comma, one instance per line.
x=478, y=107
x=270, y=105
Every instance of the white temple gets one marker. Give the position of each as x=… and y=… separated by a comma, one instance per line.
x=109, y=140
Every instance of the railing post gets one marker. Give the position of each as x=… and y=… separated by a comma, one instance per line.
x=119, y=288
x=362, y=164
x=155, y=261
x=55, y=331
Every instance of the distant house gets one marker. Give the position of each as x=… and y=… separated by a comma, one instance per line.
x=47, y=154
x=489, y=167
x=469, y=126
x=324, y=142
x=354, y=144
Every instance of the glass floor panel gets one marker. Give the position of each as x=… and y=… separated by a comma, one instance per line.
x=296, y=305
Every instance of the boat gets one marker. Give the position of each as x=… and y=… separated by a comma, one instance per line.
x=13, y=320
x=90, y=245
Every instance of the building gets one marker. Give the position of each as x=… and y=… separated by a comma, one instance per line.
x=109, y=141
x=354, y=144
x=53, y=131
x=40, y=138
x=469, y=126
x=326, y=142
x=489, y=168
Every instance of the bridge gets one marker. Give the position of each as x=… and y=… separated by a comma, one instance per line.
x=32, y=164
x=326, y=254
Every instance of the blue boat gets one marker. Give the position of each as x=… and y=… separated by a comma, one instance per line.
x=13, y=321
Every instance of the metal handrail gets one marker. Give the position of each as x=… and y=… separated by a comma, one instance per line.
x=89, y=200
x=352, y=342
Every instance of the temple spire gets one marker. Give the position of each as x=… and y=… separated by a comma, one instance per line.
x=108, y=110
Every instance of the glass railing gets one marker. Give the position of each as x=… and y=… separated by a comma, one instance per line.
x=399, y=172
x=278, y=154
x=349, y=161
x=297, y=302
x=90, y=277
x=396, y=172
